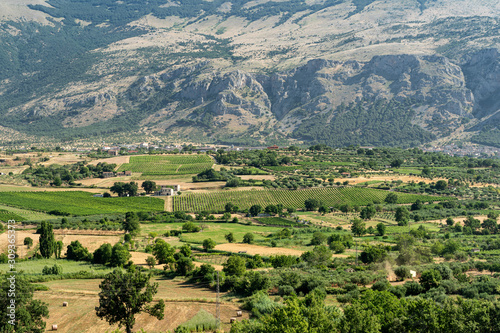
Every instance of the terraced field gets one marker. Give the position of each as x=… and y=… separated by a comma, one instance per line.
x=160, y=165
x=215, y=201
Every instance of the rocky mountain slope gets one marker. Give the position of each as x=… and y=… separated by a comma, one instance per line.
x=394, y=72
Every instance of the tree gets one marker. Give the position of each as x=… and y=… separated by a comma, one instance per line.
x=441, y=185
x=119, y=255
x=255, y=210
x=235, y=265
x=271, y=210
x=103, y=254
x=472, y=223
x=229, y=207
x=47, y=241
x=57, y=181
x=76, y=251
x=391, y=198
x=230, y=237
x=402, y=272
x=118, y=188
x=131, y=223
x=123, y=295
x=381, y=229
x=28, y=241
x=248, y=238
x=358, y=227
x=226, y=216
x=29, y=312
x=312, y=204
x=185, y=250
x=319, y=256
x=402, y=216
x=417, y=205
x=396, y=163
x=151, y=261
x=368, y=212
x=430, y=279
x=373, y=254
x=490, y=225
x=183, y=266
x=163, y=252
x=209, y=244
x=148, y=186
x=318, y=238
x=323, y=209
x=450, y=221
x=131, y=188
x=58, y=249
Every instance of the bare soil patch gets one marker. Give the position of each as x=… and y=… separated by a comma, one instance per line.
x=183, y=301
x=258, y=177
x=91, y=242
x=118, y=160
x=22, y=250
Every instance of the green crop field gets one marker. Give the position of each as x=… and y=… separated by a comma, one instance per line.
x=26, y=214
x=5, y=216
x=78, y=203
x=168, y=164
x=215, y=201
x=68, y=266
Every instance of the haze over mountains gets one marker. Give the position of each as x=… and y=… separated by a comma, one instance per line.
x=391, y=72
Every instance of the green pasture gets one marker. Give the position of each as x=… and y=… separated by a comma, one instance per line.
x=68, y=266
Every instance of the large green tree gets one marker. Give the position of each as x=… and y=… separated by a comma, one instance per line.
x=163, y=252
x=123, y=295
x=131, y=223
x=47, y=241
x=29, y=312
x=148, y=186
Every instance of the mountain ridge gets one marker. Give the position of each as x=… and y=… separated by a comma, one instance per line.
x=245, y=71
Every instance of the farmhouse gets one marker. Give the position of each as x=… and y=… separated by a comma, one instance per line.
x=124, y=173
x=107, y=174
x=164, y=190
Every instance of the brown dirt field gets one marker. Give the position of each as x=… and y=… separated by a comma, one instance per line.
x=63, y=159
x=186, y=186
x=22, y=250
x=105, y=182
x=118, y=160
x=390, y=177
x=10, y=187
x=183, y=301
x=91, y=242
x=217, y=267
x=256, y=249
x=258, y=177
x=460, y=219
x=139, y=258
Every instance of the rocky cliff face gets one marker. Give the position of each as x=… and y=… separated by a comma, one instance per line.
x=442, y=96
x=437, y=88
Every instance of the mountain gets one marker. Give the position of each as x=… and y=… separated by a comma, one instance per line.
x=340, y=72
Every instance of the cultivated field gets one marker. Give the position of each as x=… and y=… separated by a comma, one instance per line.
x=168, y=164
x=78, y=203
x=215, y=201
